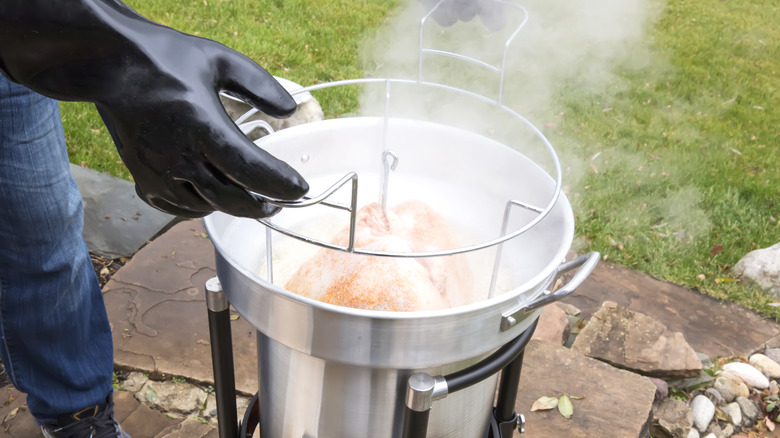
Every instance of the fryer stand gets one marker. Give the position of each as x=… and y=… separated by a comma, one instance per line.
x=422, y=389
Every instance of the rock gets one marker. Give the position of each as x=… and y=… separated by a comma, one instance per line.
x=178, y=397
x=189, y=428
x=749, y=409
x=774, y=389
x=715, y=396
x=116, y=221
x=703, y=411
x=710, y=435
x=762, y=268
x=706, y=362
x=773, y=353
x=696, y=382
x=553, y=326
x=734, y=412
x=614, y=400
x=674, y=417
x=716, y=430
x=748, y=373
x=576, y=324
x=210, y=411
x=693, y=433
x=727, y=430
x=638, y=343
x=134, y=381
x=725, y=388
x=661, y=388
x=737, y=384
x=569, y=309
x=766, y=365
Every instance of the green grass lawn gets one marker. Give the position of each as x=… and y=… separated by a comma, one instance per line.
x=672, y=170
x=688, y=181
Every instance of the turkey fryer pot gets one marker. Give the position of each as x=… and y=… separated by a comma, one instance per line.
x=335, y=372
x=331, y=371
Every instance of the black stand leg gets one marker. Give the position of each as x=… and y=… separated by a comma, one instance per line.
x=421, y=391
x=251, y=418
x=507, y=390
x=416, y=424
x=222, y=359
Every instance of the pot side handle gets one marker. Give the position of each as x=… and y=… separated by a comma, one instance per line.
x=586, y=263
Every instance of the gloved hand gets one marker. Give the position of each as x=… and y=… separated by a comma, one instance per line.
x=157, y=92
x=491, y=12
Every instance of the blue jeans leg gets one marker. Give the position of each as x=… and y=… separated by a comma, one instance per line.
x=56, y=339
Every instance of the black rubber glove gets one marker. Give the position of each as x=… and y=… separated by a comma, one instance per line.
x=491, y=12
x=157, y=91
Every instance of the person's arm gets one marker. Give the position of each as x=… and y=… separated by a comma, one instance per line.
x=157, y=92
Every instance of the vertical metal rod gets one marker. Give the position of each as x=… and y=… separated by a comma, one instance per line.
x=416, y=424
x=353, y=213
x=269, y=255
x=500, y=246
x=507, y=390
x=389, y=162
x=421, y=390
x=222, y=359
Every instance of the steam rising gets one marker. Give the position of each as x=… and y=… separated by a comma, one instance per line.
x=560, y=41
x=563, y=48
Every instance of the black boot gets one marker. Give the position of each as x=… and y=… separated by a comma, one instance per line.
x=93, y=422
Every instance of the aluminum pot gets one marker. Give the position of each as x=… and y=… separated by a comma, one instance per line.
x=335, y=372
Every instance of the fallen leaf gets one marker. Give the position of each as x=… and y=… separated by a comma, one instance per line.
x=721, y=415
x=202, y=342
x=716, y=249
x=234, y=317
x=565, y=407
x=104, y=271
x=579, y=325
x=544, y=403
x=769, y=424
x=11, y=415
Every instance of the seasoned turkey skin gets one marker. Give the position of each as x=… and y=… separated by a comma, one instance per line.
x=389, y=283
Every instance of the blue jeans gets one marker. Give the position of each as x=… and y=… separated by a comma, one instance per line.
x=56, y=339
